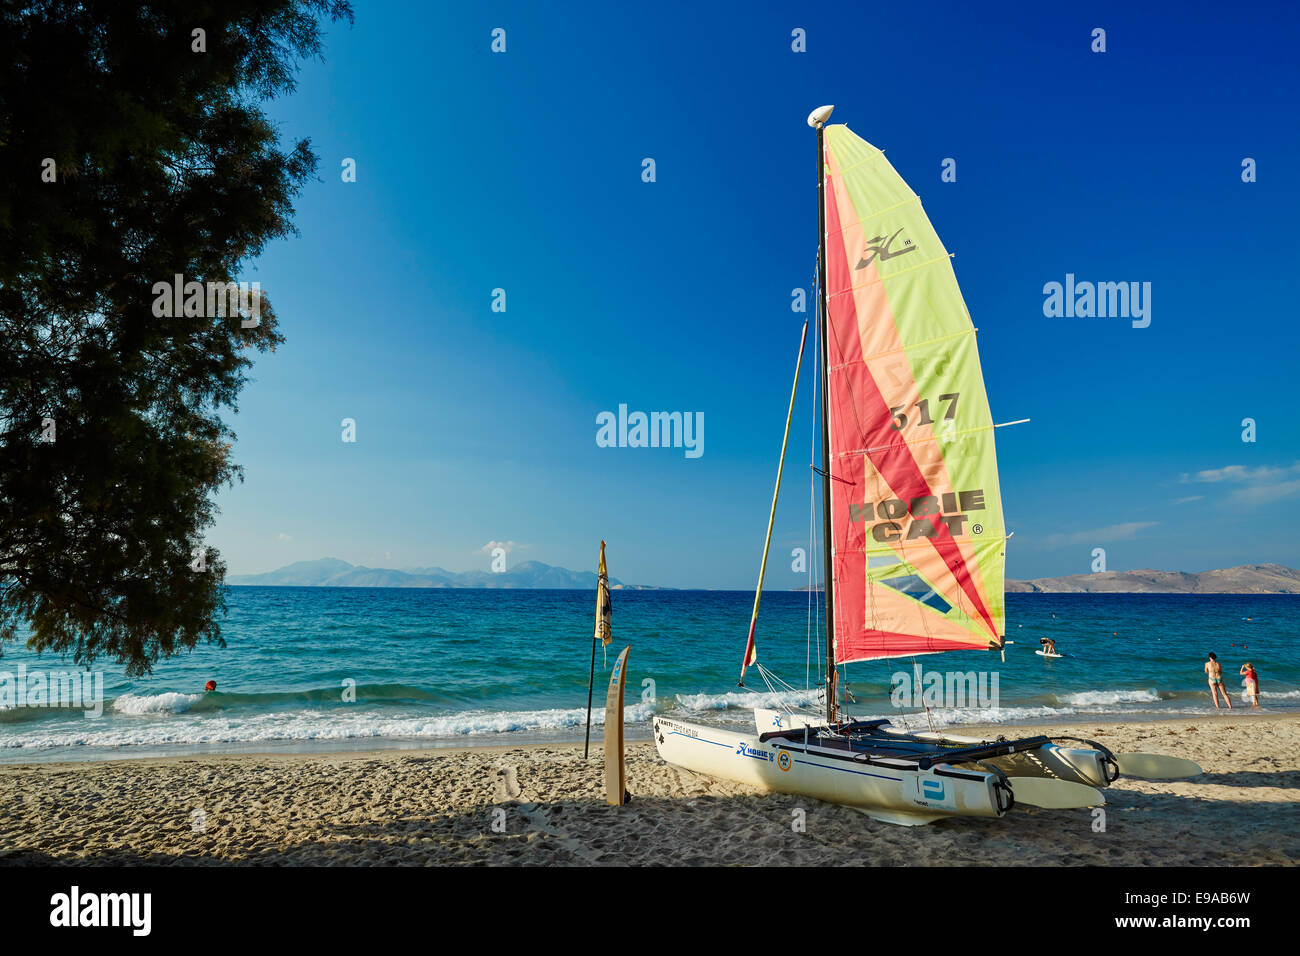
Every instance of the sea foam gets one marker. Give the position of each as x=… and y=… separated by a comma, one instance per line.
x=166, y=703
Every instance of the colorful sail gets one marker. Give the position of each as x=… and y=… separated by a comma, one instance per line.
x=918, y=542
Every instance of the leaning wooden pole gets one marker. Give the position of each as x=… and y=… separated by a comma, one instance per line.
x=751, y=653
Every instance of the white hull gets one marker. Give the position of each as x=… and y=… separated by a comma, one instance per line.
x=889, y=788
x=893, y=794
x=1076, y=765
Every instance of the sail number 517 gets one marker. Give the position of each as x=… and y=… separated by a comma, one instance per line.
x=923, y=407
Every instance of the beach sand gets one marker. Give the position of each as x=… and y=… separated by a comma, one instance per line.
x=440, y=807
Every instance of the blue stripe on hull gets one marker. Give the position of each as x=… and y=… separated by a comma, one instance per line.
x=810, y=763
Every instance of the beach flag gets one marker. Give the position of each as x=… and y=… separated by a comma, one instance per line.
x=603, y=609
x=603, y=634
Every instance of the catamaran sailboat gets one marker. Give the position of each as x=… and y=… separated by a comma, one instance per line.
x=912, y=530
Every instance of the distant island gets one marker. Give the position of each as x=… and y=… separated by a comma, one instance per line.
x=1246, y=579
x=333, y=573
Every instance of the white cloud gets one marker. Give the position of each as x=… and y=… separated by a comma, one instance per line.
x=491, y=546
x=284, y=537
x=1183, y=501
x=1264, y=474
x=1252, y=486
x=1264, y=494
x=1114, y=532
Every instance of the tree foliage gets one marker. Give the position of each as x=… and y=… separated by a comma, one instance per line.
x=163, y=164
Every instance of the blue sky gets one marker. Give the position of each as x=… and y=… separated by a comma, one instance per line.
x=523, y=171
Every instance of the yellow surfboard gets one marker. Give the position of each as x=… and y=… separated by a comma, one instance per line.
x=615, y=775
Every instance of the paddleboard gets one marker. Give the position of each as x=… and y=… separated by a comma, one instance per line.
x=615, y=774
x=1045, y=654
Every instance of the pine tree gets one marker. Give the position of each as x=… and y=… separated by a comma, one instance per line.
x=132, y=149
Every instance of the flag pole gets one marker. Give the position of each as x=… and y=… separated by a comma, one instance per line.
x=602, y=632
x=591, y=682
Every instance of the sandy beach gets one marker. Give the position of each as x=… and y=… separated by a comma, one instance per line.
x=450, y=807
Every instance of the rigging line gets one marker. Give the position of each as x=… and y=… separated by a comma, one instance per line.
x=928, y=718
x=815, y=549
x=785, y=689
x=825, y=474
x=807, y=567
x=812, y=490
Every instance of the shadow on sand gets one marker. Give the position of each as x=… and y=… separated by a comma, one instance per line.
x=1141, y=829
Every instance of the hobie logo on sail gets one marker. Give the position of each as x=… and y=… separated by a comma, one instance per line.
x=879, y=247
x=949, y=510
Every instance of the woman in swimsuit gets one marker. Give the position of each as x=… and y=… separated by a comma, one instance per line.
x=1252, y=682
x=1214, y=671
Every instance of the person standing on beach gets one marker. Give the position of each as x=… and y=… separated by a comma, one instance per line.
x=1214, y=671
x=1252, y=682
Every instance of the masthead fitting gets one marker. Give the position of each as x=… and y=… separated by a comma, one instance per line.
x=819, y=116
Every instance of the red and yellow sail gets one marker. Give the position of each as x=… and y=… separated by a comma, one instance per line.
x=918, y=542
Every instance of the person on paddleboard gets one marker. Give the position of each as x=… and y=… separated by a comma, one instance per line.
x=1214, y=671
x=1049, y=645
x=1252, y=682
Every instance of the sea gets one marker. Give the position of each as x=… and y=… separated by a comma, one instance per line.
x=312, y=669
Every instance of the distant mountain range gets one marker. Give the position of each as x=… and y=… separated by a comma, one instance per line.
x=333, y=573
x=1246, y=579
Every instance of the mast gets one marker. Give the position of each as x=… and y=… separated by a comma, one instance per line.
x=817, y=119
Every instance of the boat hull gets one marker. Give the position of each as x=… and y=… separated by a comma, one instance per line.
x=893, y=794
x=1075, y=765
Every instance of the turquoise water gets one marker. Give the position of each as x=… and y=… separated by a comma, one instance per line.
x=435, y=667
